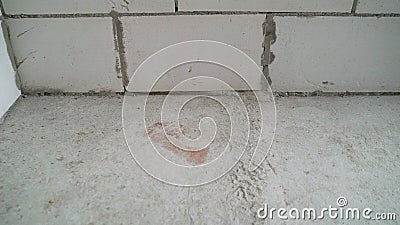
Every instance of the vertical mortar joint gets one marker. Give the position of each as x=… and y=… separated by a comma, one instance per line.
x=4, y=14
x=354, y=6
x=176, y=5
x=121, y=62
x=269, y=32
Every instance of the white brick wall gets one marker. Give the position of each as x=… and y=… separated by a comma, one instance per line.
x=267, y=5
x=146, y=35
x=86, y=6
x=70, y=55
x=336, y=54
x=378, y=6
x=328, y=53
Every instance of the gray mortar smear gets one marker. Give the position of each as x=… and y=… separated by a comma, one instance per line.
x=118, y=30
x=354, y=6
x=269, y=32
x=188, y=13
x=56, y=92
x=176, y=5
x=2, y=8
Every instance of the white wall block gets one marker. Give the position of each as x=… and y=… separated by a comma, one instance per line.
x=71, y=55
x=146, y=35
x=378, y=6
x=8, y=88
x=86, y=6
x=267, y=5
x=336, y=54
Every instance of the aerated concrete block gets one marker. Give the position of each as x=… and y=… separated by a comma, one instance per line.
x=378, y=6
x=147, y=35
x=87, y=6
x=65, y=54
x=267, y=5
x=359, y=54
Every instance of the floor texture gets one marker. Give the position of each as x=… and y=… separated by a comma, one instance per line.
x=64, y=160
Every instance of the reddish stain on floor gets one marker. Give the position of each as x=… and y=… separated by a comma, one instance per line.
x=156, y=134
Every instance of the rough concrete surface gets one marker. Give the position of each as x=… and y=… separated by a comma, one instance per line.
x=64, y=160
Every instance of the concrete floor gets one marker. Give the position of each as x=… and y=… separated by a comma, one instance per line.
x=64, y=160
